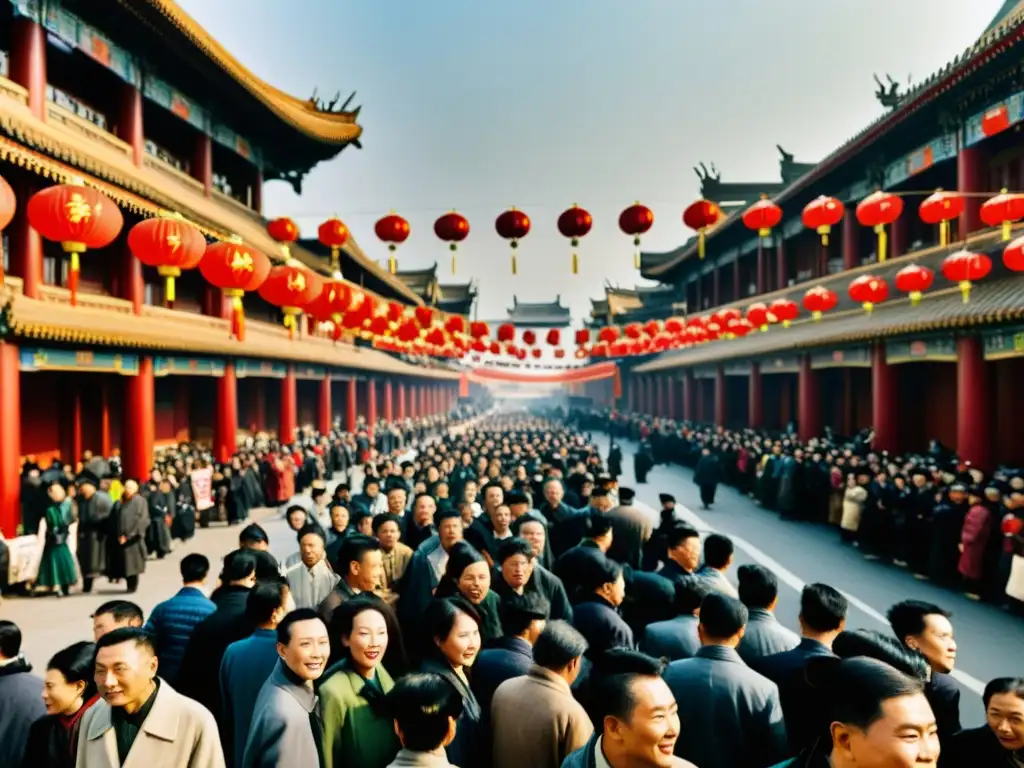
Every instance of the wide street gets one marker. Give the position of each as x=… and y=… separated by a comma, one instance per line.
x=989, y=639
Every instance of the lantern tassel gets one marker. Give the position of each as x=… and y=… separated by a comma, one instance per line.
x=965, y=291
x=515, y=266
x=453, y=262
x=882, y=242
x=700, y=243
x=915, y=298
x=169, y=292
x=575, y=263
x=73, y=278
x=1007, y=227
x=335, y=259
x=636, y=259
x=786, y=323
x=943, y=233
x=868, y=306
x=392, y=261
x=237, y=318
x=816, y=315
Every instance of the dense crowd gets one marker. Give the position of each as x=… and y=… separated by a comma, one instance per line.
x=497, y=599
x=945, y=520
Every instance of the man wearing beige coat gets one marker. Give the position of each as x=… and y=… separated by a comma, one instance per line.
x=554, y=724
x=141, y=722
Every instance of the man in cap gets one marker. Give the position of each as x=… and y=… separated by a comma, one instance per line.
x=94, y=507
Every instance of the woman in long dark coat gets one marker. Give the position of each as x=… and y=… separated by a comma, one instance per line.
x=160, y=498
x=127, y=554
x=57, y=568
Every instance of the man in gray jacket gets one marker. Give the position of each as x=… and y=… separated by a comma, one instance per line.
x=286, y=725
x=677, y=638
x=732, y=715
x=764, y=635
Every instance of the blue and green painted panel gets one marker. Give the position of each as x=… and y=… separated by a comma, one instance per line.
x=34, y=359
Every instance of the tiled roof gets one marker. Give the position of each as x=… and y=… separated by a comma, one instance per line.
x=531, y=310
x=457, y=291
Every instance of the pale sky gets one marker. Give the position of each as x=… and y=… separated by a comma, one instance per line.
x=478, y=105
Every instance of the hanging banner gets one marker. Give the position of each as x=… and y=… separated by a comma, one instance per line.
x=996, y=119
x=595, y=372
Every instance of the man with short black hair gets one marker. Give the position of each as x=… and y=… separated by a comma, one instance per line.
x=733, y=716
x=511, y=655
x=555, y=724
x=682, y=545
x=173, y=621
x=718, y=555
x=360, y=566
x=140, y=718
x=254, y=536
x=677, y=638
x=113, y=615
x=764, y=635
x=311, y=579
x=21, y=700
x=596, y=541
x=636, y=715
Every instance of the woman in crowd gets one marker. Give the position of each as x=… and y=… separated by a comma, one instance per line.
x=453, y=636
x=357, y=729
x=468, y=574
x=68, y=692
x=57, y=571
x=426, y=710
x=1000, y=742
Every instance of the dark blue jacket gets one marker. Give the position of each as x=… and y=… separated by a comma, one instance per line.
x=598, y=621
x=673, y=639
x=172, y=623
x=507, y=657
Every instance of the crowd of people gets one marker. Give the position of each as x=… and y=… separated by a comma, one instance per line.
x=943, y=519
x=496, y=599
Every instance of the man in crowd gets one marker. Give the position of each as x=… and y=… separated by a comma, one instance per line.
x=115, y=614
x=173, y=621
x=21, y=700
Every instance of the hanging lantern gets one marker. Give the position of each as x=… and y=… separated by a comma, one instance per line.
x=455, y=325
x=1013, y=255
x=914, y=280
x=608, y=334
x=513, y=225
x=170, y=244
x=582, y=337
x=506, y=332
x=393, y=230
x=77, y=217
x=821, y=214
x=395, y=311
x=235, y=269
x=1002, y=210
x=424, y=316
x=739, y=328
x=559, y=354
x=529, y=338
x=581, y=353
x=8, y=204
x=876, y=210
x=479, y=329
x=291, y=287
x=452, y=228
x=495, y=348
x=553, y=337
x=635, y=221
x=966, y=268
x=868, y=290
x=633, y=330
x=334, y=300
x=575, y=223
x=759, y=316
x=334, y=234
x=701, y=216
x=762, y=217
x=819, y=300
x=652, y=328
x=536, y=353
x=408, y=331
x=940, y=208
x=284, y=230
x=674, y=326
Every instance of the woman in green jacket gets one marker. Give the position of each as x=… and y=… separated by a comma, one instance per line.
x=358, y=731
x=57, y=569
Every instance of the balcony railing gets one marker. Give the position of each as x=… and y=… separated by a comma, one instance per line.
x=58, y=115
x=151, y=161
x=55, y=294
x=11, y=90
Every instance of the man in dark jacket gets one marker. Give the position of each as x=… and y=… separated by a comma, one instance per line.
x=597, y=539
x=631, y=527
x=597, y=616
x=707, y=476
x=512, y=654
x=21, y=700
x=173, y=621
x=677, y=638
x=94, y=509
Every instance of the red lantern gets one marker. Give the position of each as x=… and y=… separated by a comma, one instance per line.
x=536, y=353
x=581, y=353
x=821, y=214
x=941, y=208
x=529, y=338
x=424, y=316
x=408, y=331
x=599, y=350
x=283, y=229
x=478, y=329
x=513, y=225
x=559, y=353
x=495, y=348
x=575, y=223
x=1011, y=525
x=763, y=216
x=739, y=328
x=8, y=204
x=608, y=335
x=674, y=326
x=818, y=300
x=452, y=228
x=876, y=210
x=334, y=234
x=77, y=217
x=553, y=337
x=235, y=268
x=291, y=287
x=652, y=328
x=455, y=324
x=701, y=216
x=1002, y=210
x=395, y=311
x=334, y=300
x=965, y=268
x=379, y=326
x=759, y=316
x=506, y=332
x=633, y=330
x=393, y=230
x=582, y=337
x=635, y=221
x=914, y=280
x=170, y=244
x=995, y=120
x=868, y=291
x=1013, y=255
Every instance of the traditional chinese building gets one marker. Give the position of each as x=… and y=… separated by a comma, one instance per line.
x=543, y=314
x=138, y=101
x=941, y=369
x=453, y=298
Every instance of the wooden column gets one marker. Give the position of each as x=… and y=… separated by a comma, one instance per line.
x=755, y=396
x=350, y=405
x=129, y=122
x=289, y=413
x=202, y=163
x=721, y=399
x=225, y=433
x=324, y=411
x=27, y=63
x=401, y=401
x=808, y=402
x=10, y=439
x=389, y=401
x=105, y=445
x=26, y=245
x=132, y=286
x=371, y=406
x=970, y=171
x=689, y=392
x=973, y=403
x=883, y=400
x=139, y=421
x=851, y=241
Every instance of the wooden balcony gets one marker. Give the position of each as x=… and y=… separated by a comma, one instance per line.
x=161, y=166
x=55, y=294
x=229, y=201
x=11, y=90
x=58, y=115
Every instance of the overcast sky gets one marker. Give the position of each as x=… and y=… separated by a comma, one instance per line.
x=479, y=105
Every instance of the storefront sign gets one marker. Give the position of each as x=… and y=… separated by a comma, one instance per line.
x=1004, y=342
x=187, y=366
x=737, y=369
x=849, y=357
x=40, y=359
x=921, y=159
x=780, y=365
x=260, y=368
x=995, y=119
x=935, y=349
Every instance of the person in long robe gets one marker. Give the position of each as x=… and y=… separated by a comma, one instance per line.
x=94, y=510
x=127, y=558
x=707, y=476
x=57, y=570
x=160, y=498
x=643, y=461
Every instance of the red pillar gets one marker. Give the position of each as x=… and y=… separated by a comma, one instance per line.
x=721, y=403
x=133, y=287
x=225, y=433
x=324, y=412
x=389, y=401
x=883, y=400
x=808, y=404
x=10, y=440
x=424, y=404
x=851, y=241
x=202, y=163
x=401, y=401
x=350, y=405
x=289, y=408
x=411, y=410
x=973, y=403
x=688, y=395
x=28, y=62
x=755, y=404
x=76, y=427
x=970, y=172
x=671, y=409
x=26, y=246
x=260, y=406
x=105, y=418
x=698, y=387
x=781, y=278
x=139, y=421
x=898, y=237
x=129, y=124
x=371, y=404
x=181, y=416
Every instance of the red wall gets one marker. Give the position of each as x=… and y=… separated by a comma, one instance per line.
x=1006, y=376
x=308, y=392
x=47, y=412
x=927, y=404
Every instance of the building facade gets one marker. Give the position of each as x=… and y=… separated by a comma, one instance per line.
x=137, y=100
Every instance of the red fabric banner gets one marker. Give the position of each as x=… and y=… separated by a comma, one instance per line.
x=567, y=376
